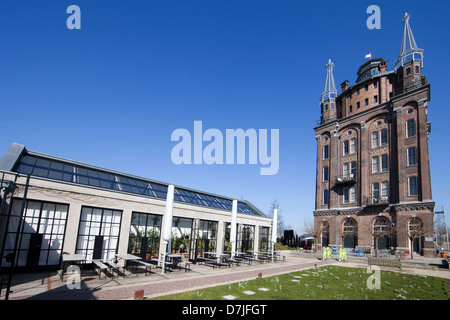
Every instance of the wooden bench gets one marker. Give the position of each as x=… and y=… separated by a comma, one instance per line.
x=100, y=266
x=385, y=262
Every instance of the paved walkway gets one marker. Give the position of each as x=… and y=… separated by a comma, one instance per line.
x=50, y=287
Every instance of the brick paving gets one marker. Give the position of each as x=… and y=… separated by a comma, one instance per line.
x=156, y=284
x=50, y=287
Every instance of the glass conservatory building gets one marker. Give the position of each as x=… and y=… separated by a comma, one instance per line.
x=51, y=206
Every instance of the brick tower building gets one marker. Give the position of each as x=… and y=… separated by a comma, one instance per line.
x=373, y=187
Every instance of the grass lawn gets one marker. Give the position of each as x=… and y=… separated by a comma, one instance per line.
x=329, y=283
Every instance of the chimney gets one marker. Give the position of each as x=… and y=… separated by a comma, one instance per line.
x=344, y=85
x=383, y=67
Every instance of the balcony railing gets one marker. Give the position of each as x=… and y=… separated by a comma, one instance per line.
x=341, y=180
x=376, y=201
x=417, y=84
x=325, y=120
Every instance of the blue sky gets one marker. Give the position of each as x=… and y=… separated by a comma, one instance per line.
x=112, y=93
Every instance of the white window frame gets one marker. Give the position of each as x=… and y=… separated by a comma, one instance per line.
x=384, y=132
x=409, y=187
x=352, y=195
x=346, y=194
x=377, y=189
x=384, y=190
x=353, y=174
x=344, y=152
x=415, y=128
x=387, y=163
x=345, y=170
x=408, y=159
x=352, y=146
x=326, y=155
x=327, y=197
x=375, y=164
x=374, y=140
x=327, y=175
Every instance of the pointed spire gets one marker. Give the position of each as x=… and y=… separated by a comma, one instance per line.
x=408, y=49
x=329, y=91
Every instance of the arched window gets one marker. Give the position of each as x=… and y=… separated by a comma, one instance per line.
x=416, y=233
x=350, y=233
x=381, y=232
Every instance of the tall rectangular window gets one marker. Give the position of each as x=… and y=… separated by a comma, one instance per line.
x=207, y=236
x=346, y=148
x=345, y=170
x=353, y=146
x=384, y=190
x=325, y=152
x=375, y=193
x=325, y=174
x=353, y=194
x=410, y=128
x=353, y=170
x=374, y=139
x=412, y=156
x=412, y=183
x=375, y=165
x=346, y=195
x=384, y=137
x=325, y=196
x=384, y=163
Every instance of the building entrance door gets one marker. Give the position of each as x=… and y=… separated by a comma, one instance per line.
x=98, y=247
x=34, y=251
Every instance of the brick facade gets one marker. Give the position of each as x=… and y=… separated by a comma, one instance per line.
x=373, y=170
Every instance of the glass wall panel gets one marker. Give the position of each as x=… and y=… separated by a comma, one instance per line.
x=226, y=238
x=98, y=233
x=245, y=238
x=181, y=235
x=264, y=238
x=207, y=237
x=144, y=236
x=41, y=233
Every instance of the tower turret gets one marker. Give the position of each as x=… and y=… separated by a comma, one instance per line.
x=329, y=94
x=410, y=60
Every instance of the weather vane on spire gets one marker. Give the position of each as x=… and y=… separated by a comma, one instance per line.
x=406, y=17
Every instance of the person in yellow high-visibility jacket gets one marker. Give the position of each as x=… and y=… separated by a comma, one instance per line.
x=341, y=254
x=344, y=254
x=329, y=252
x=324, y=253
